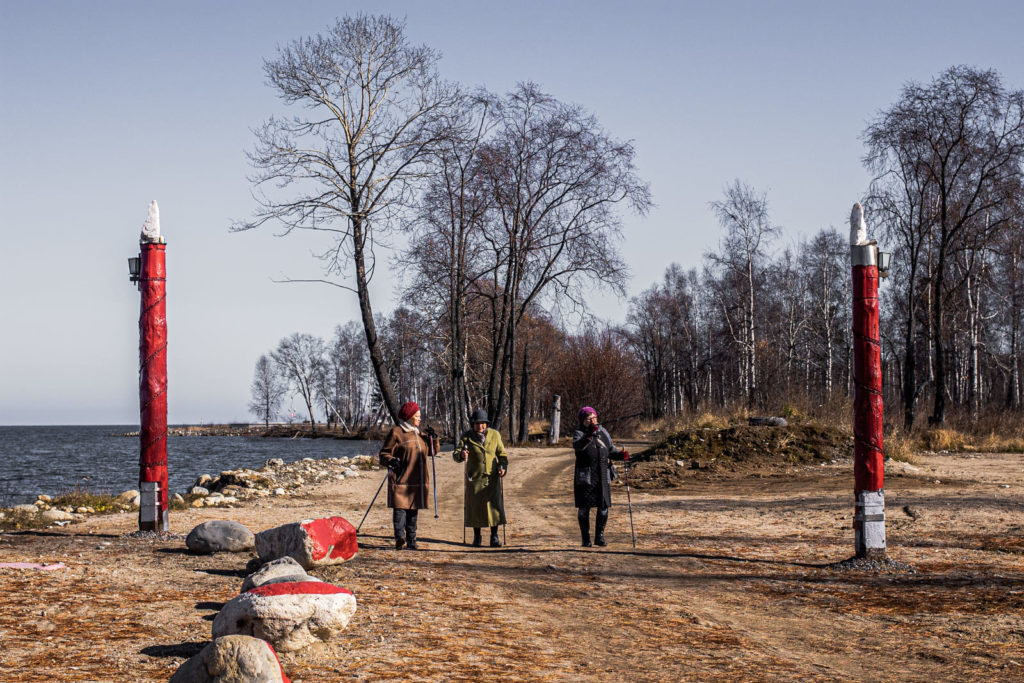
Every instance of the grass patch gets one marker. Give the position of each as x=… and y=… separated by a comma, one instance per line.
x=17, y=520
x=100, y=503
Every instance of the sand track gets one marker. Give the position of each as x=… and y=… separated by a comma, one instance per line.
x=731, y=580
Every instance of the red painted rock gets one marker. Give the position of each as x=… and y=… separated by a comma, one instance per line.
x=291, y=616
x=311, y=543
x=233, y=659
x=275, y=571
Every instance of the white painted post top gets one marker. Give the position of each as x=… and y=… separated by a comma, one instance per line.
x=151, y=228
x=858, y=228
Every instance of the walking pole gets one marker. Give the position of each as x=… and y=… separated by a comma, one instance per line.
x=433, y=470
x=629, y=499
x=386, y=473
x=501, y=492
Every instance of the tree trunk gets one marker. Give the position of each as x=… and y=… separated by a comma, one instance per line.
x=524, y=403
x=380, y=367
x=939, y=411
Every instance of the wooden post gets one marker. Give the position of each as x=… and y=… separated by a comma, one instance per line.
x=556, y=419
x=868, y=467
x=154, y=503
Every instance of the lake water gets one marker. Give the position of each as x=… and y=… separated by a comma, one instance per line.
x=50, y=460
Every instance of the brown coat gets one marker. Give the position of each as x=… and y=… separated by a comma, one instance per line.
x=408, y=480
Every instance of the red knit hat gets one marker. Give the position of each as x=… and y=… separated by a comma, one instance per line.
x=408, y=410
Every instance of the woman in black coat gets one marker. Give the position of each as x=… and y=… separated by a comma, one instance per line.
x=593, y=474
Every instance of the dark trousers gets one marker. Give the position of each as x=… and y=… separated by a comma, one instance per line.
x=600, y=520
x=405, y=523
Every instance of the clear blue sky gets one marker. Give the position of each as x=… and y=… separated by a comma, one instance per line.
x=106, y=105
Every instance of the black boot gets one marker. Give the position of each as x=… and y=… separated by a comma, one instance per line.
x=584, y=519
x=477, y=540
x=599, y=523
x=495, y=543
x=410, y=530
x=398, y=520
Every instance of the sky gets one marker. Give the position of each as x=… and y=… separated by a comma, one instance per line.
x=106, y=105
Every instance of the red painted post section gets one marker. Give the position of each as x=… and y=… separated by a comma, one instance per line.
x=868, y=459
x=867, y=372
x=153, y=379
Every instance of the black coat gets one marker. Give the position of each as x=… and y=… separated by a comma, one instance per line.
x=592, y=476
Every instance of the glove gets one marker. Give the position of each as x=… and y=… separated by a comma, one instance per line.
x=430, y=431
x=394, y=464
x=502, y=466
x=625, y=455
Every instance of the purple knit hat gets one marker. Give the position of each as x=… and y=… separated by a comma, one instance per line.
x=585, y=412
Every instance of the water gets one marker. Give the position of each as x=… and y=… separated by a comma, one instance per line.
x=50, y=460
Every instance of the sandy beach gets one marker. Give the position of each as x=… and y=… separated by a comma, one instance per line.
x=733, y=578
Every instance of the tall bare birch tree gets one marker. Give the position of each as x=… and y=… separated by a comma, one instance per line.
x=555, y=179
x=743, y=215
x=372, y=107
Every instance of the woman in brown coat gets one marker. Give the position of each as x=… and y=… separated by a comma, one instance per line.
x=404, y=453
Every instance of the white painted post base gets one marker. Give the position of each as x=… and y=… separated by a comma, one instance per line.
x=869, y=524
x=150, y=518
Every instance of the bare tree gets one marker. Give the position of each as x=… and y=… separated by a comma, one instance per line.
x=447, y=257
x=373, y=109
x=267, y=390
x=555, y=179
x=348, y=375
x=964, y=134
x=300, y=358
x=743, y=215
x=825, y=259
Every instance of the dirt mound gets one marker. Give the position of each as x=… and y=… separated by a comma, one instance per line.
x=741, y=449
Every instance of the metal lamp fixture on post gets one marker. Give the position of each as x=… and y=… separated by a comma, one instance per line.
x=868, y=467
x=148, y=271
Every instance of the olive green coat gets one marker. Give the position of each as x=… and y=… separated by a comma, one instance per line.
x=485, y=505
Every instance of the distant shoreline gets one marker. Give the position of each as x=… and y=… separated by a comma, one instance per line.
x=293, y=431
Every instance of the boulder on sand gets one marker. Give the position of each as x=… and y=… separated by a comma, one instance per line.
x=220, y=536
x=311, y=542
x=290, y=616
x=276, y=571
x=233, y=659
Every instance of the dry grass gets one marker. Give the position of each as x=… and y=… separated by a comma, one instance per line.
x=102, y=503
x=899, y=446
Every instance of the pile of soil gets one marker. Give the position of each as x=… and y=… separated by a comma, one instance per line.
x=739, y=450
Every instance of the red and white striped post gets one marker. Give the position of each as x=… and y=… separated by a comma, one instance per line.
x=152, y=282
x=868, y=467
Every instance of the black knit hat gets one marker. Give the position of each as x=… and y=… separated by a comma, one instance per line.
x=478, y=415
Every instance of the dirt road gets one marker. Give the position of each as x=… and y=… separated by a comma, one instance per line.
x=732, y=579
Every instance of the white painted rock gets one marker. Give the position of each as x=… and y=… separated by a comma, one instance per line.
x=220, y=536
x=233, y=659
x=274, y=570
x=57, y=516
x=290, y=616
x=311, y=542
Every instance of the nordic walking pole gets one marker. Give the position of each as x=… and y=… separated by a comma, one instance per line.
x=501, y=492
x=433, y=468
x=386, y=473
x=629, y=499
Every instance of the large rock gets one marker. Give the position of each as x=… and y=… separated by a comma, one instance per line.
x=275, y=571
x=291, y=616
x=52, y=516
x=311, y=543
x=233, y=659
x=220, y=536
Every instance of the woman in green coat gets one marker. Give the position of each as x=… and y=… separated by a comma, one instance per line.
x=486, y=463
